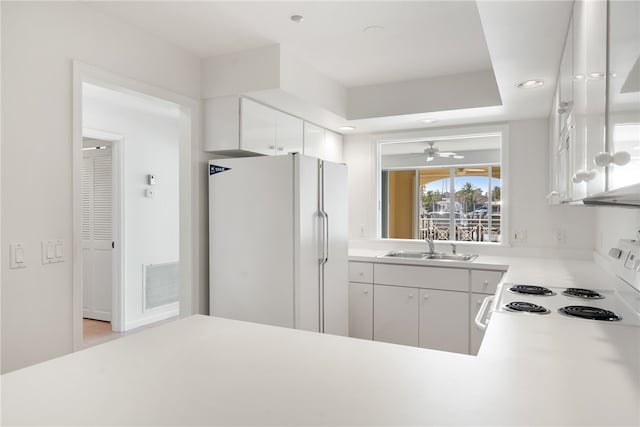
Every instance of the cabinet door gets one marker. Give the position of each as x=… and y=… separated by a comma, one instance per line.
x=395, y=314
x=589, y=66
x=257, y=128
x=333, y=147
x=475, y=334
x=289, y=134
x=444, y=320
x=361, y=311
x=222, y=124
x=623, y=127
x=314, y=140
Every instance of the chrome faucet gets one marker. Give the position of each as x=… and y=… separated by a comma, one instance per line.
x=431, y=247
x=453, y=248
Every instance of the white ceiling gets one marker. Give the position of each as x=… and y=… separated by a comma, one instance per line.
x=517, y=39
x=420, y=39
x=487, y=142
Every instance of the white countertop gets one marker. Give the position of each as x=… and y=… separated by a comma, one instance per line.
x=205, y=370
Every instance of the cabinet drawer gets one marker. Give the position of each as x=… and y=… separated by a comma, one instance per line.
x=452, y=279
x=361, y=272
x=485, y=282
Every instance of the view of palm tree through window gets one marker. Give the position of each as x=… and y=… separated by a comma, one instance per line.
x=443, y=198
x=472, y=214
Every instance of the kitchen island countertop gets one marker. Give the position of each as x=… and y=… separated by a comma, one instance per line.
x=205, y=370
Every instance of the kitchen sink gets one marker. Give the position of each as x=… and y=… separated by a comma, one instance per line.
x=427, y=255
x=406, y=254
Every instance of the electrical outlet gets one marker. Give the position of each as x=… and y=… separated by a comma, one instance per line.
x=520, y=235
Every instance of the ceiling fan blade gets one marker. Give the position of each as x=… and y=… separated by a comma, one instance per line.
x=446, y=154
x=458, y=156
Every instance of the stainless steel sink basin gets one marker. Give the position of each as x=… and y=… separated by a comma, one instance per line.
x=406, y=254
x=460, y=257
x=427, y=255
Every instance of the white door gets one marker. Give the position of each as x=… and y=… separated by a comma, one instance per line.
x=336, y=268
x=97, y=235
x=444, y=320
x=395, y=314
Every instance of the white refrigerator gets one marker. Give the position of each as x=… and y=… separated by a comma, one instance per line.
x=278, y=242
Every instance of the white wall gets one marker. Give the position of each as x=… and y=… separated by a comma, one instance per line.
x=39, y=42
x=151, y=225
x=613, y=224
x=527, y=205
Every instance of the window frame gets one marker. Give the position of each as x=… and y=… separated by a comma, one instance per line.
x=499, y=130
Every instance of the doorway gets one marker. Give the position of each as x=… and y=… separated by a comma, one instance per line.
x=132, y=206
x=99, y=213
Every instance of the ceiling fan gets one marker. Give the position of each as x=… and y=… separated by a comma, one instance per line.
x=433, y=152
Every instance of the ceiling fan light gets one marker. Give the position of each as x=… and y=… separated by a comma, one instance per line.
x=458, y=156
x=430, y=157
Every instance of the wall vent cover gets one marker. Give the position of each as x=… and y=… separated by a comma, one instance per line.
x=160, y=284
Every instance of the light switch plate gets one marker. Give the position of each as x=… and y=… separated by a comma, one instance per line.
x=50, y=251
x=17, y=255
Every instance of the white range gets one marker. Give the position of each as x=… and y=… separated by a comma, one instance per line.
x=617, y=303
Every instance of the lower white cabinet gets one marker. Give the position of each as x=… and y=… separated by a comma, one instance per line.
x=475, y=335
x=444, y=320
x=361, y=310
x=430, y=307
x=395, y=314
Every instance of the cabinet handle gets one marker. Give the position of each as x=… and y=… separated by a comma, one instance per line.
x=366, y=292
x=280, y=148
x=479, y=302
x=480, y=320
x=272, y=147
x=486, y=283
x=361, y=273
x=410, y=295
x=425, y=297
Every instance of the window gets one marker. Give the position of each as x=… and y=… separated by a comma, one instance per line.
x=444, y=189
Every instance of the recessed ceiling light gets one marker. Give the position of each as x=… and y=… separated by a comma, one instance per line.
x=347, y=128
x=428, y=121
x=373, y=28
x=297, y=18
x=579, y=77
x=530, y=84
x=596, y=76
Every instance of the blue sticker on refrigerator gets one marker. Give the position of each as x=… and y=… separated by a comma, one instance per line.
x=214, y=169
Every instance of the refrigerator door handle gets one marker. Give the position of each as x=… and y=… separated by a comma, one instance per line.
x=325, y=237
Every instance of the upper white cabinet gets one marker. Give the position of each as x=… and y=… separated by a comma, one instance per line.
x=240, y=126
x=289, y=134
x=322, y=143
x=313, y=140
x=623, y=117
x=237, y=126
x=332, y=147
x=258, y=128
x=595, y=124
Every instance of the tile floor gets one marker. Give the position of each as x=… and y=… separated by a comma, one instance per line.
x=96, y=332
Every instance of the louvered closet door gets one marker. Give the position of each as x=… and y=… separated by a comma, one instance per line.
x=97, y=233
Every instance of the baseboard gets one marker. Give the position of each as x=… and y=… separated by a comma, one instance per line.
x=171, y=311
